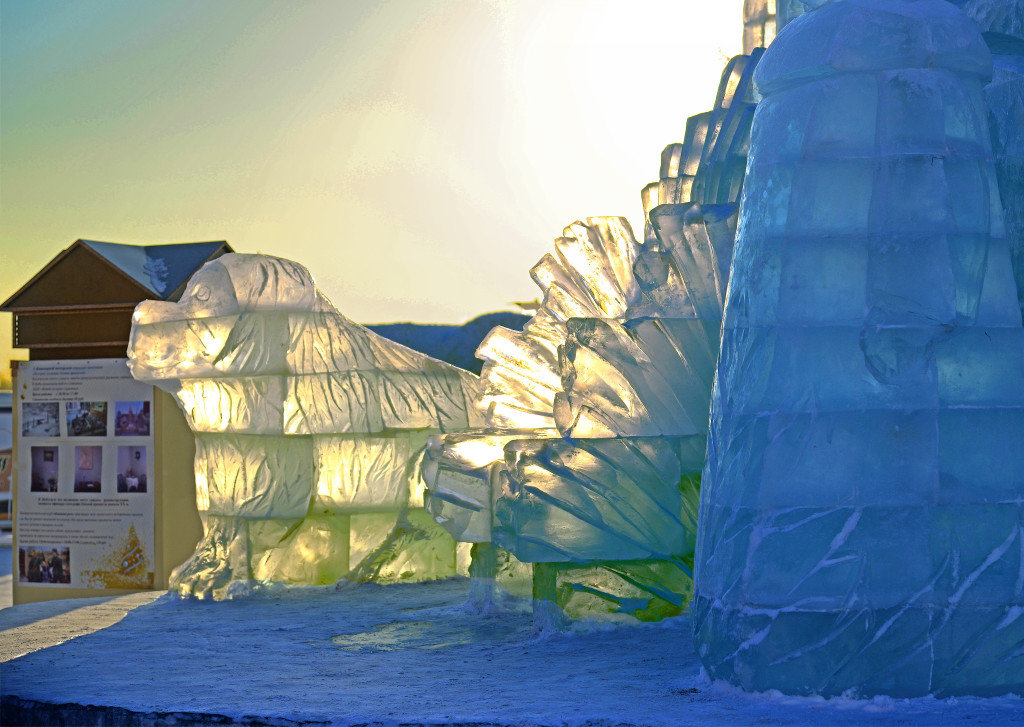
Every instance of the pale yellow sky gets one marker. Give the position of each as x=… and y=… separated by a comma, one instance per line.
x=418, y=156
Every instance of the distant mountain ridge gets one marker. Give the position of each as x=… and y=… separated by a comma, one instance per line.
x=451, y=343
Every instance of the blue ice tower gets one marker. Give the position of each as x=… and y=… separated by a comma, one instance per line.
x=862, y=514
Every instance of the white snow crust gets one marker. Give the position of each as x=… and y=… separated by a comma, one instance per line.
x=417, y=654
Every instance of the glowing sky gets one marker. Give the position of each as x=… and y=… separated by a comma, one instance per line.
x=419, y=156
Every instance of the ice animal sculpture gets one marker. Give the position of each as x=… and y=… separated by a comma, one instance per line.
x=860, y=516
x=307, y=426
x=597, y=411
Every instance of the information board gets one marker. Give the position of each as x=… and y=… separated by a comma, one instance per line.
x=85, y=516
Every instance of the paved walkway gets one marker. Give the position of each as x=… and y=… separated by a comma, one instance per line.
x=32, y=627
x=35, y=626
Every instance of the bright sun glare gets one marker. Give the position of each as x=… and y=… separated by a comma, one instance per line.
x=418, y=157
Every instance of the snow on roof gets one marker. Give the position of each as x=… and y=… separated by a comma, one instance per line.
x=158, y=268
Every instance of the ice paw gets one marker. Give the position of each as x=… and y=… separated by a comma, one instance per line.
x=221, y=560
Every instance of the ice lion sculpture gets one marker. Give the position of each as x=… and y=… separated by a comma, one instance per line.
x=597, y=411
x=860, y=517
x=307, y=426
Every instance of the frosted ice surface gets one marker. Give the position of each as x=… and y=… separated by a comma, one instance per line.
x=708, y=166
x=860, y=518
x=411, y=547
x=304, y=421
x=632, y=413
x=648, y=590
x=586, y=500
x=580, y=369
x=999, y=16
x=648, y=377
x=603, y=385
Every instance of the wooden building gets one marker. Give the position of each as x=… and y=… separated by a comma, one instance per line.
x=75, y=316
x=80, y=304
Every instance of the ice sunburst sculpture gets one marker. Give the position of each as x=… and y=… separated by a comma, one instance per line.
x=589, y=274
x=307, y=430
x=648, y=372
x=597, y=411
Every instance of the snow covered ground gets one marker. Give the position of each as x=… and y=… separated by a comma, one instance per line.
x=403, y=654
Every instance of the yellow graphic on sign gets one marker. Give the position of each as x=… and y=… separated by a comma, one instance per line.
x=125, y=566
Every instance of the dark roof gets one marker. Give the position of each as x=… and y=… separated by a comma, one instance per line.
x=149, y=271
x=160, y=269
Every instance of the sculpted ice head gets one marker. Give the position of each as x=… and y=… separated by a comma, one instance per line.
x=230, y=296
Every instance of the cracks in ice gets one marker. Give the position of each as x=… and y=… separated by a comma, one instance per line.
x=837, y=542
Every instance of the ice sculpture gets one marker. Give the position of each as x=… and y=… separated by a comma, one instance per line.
x=588, y=275
x=1002, y=23
x=765, y=19
x=521, y=378
x=307, y=429
x=596, y=497
x=860, y=518
x=597, y=411
x=571, y=500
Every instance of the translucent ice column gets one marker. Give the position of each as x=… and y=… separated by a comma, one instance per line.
x=307, y=429
x=1002, y=24
x=860, y=516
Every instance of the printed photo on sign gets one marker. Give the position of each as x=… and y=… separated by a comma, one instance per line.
x=131, y=419
x=85, y=489
x=44, y=469
x=131, y=469
x=87, y=418
x=40, y=419
x=44, y=564
x=88, y=466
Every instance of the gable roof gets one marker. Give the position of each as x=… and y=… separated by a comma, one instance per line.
x=154, y=271
x=160, y=269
